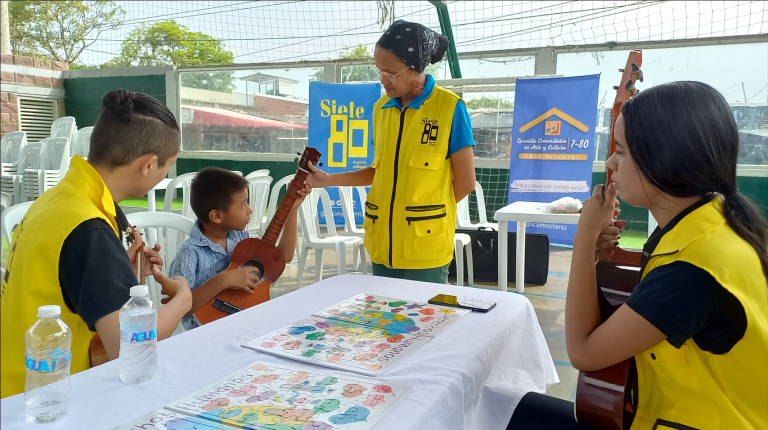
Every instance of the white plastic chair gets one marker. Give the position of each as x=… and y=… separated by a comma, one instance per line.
x=5, y=200
x=462, y=212
x=81, y=142
x=257, y=173
x=186, y=182
x=12, y=181
x=53, y=164
x=64, y=127
x=348, y=208
x=463, y=241
x=169, y=230
x=312, y=239
x=258, y=194
x=10, y=218
x=11, y=145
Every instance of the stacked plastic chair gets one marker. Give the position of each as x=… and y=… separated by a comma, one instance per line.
x=12, y=180
x=81, y=142
x=53, y=165
x=11, y=148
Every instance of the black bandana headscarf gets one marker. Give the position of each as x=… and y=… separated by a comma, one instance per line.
x=415, y=44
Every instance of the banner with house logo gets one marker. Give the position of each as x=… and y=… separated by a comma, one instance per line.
x=553, y=144
x=341, y=128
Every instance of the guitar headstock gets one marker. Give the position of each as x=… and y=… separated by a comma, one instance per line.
x=624, y=91
x=310, y=155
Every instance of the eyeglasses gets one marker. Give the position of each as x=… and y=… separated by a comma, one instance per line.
x=392, y=78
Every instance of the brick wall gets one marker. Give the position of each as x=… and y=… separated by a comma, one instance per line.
x=9, y=102
x=274, y=106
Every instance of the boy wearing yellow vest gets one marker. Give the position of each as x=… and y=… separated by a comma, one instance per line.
x=68, y=249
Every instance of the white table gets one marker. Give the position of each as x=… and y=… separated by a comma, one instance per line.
x=522, y=212
x=469, y=377
x=151, y=204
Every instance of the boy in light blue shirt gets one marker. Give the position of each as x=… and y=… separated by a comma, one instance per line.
x=219, y=199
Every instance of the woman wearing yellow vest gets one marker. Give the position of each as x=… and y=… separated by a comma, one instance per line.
x=423, y=162
x=697, y=322
x=68, y=250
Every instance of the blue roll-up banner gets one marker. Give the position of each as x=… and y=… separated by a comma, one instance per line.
x=341, y=128
x=553, y=144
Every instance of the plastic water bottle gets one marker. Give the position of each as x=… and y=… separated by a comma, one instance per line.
x=48, y=343
x=138, y=337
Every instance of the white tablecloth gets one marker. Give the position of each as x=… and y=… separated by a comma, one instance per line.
x=469, y=377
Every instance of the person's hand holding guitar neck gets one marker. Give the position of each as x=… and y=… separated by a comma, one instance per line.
x=151, y=256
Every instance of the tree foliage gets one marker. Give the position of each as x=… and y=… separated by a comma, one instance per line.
x=364, y=72
x=489, y=102
x=60, y=30
x=169, y=43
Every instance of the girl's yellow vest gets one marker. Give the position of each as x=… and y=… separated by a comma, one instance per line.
x=32, y=276
x=689, y=386
x=410, y=215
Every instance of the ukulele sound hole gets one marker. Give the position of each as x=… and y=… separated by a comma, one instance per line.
x=257, y=264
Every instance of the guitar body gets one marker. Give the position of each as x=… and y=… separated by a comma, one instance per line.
x=251, y=252
x=607, y=398
x=604, y=397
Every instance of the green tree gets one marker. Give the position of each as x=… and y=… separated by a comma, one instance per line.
x=364, y=73
x=60, y=30
x=169, y=43
x=489, y=102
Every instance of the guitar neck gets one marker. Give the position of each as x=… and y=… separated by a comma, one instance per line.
x=282, y=212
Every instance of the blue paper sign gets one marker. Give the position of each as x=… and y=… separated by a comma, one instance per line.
x=553, y=144
x=341, y=128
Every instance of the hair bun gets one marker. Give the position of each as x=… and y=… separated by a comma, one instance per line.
x=442, y=46
x=118, y=102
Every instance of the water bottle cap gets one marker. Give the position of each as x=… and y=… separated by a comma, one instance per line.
x=48, y=311
x=139, y=291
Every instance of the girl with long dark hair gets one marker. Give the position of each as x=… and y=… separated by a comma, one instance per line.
x=697, y=321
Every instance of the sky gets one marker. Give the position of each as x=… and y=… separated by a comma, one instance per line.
x=288, y=31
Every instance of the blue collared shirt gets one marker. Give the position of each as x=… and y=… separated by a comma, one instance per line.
x=199, y=259
x=461, y=130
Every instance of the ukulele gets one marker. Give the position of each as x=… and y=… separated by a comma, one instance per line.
x=607, y=398
x=96, y=352
x=261, y=254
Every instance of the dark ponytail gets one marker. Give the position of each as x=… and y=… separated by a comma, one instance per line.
x=132, y=125
x=684, y=140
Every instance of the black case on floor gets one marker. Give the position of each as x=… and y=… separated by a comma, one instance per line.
x=485, y=253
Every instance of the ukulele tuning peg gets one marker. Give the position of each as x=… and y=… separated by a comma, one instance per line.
x=615, y=88
x=296, y=160
x=321, y=164
x=298, y=153
x=621, y=70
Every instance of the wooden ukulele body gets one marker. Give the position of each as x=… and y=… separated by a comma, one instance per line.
x=249, y=252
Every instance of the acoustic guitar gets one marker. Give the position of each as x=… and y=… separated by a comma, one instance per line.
x=259, y=253
x=607, y=398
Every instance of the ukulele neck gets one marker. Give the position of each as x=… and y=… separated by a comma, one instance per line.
x=286, y=204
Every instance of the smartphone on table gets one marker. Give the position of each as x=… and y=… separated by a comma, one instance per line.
x=463, y=303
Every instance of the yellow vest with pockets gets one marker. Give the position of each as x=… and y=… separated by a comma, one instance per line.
x=410, y=215
x=692, y=388
x=32, y=276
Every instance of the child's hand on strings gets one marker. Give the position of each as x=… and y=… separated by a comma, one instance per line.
x=243, y=278
x=303, y=193
x=597, y=216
